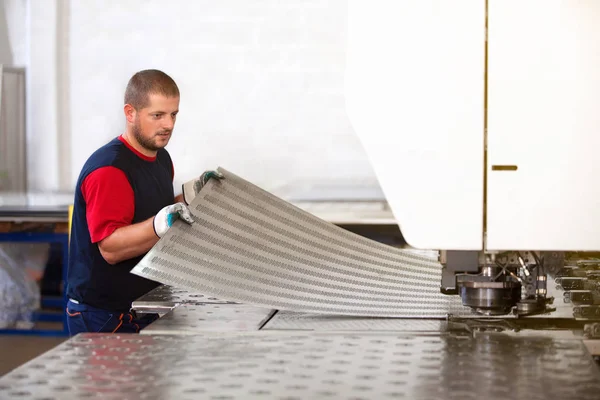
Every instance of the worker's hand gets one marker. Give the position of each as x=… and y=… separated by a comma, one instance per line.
x=192, y=188
x=168, y=215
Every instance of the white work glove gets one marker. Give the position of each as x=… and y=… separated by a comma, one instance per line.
x=168, y=215
x=192, y=188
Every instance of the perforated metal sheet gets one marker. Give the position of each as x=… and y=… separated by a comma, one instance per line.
x=210, y=317
x=251, y=247
x=289, y=320
x=164, y=298
x=307, y=366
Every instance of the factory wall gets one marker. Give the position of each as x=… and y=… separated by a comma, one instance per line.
x=261, y=84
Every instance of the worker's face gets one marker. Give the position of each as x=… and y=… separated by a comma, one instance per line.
x=154, y=124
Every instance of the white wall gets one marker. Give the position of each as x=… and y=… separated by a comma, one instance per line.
x=261, y=83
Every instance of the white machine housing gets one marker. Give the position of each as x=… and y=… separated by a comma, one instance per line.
x=426, y=96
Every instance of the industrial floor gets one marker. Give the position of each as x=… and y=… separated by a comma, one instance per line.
x=15, y=350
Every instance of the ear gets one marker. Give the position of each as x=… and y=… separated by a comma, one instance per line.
x=130, y=113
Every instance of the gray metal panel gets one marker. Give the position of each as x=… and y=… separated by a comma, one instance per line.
x=35, y=207
x=307, y=366
x=288, y=320
x=210, y=318
x=164, y=298
x=13, y=162
x=251, y=247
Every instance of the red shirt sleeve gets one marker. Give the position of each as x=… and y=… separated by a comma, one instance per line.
x=109, y=201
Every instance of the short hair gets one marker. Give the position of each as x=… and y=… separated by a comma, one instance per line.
x=149, y=81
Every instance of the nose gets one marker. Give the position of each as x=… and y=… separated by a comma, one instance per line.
x=168, y=123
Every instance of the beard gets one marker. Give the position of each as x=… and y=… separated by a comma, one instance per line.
x=145, y=142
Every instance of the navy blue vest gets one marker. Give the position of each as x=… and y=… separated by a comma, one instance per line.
x=91, y=280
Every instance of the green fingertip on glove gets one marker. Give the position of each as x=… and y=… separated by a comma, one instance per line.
x=205, y=177
x=167, y=217
x=192, y=188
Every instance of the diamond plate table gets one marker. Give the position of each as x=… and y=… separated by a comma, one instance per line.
x=164, y=298
x=307, y=366
x=210, y=317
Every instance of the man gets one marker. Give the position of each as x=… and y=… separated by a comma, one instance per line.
x=124, y=202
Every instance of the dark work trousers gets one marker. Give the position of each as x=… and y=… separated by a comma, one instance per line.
x=83, y=318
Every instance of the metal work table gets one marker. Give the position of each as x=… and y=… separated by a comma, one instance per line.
x=164, y=298
x=292, y=365
x=201, y=318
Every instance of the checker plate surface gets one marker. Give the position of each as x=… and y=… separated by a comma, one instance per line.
x=210, y=317
x=307, y=366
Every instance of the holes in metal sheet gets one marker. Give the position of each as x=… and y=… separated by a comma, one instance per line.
x=268, y=381
x=326, y=393
x=365, y=377
x=247, y=365
x=370, y=367
x=296, y=387
x=231, y=386
x=314, y=357
x=311, y=366
x=20, y=393
x=203, y=379
x=54, y=372
x=240, y=375
x=378, y=341
x=275, y=371
x=399, y=372
x=337, y=372
x=396, y=383
x=341, y=362
x=260, y=392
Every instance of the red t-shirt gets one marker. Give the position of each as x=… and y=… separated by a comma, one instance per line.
x=109, y=198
